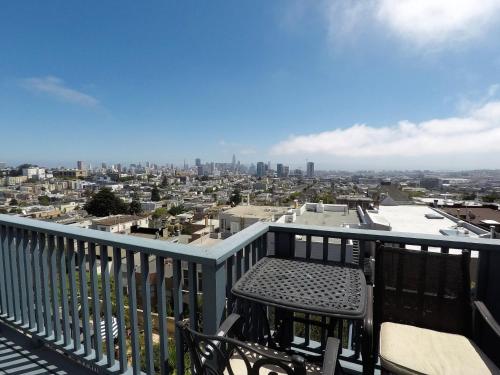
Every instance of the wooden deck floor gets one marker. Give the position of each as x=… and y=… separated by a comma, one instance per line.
x=18, y=355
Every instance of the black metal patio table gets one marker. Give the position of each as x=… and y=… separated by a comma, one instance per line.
x=331, y=290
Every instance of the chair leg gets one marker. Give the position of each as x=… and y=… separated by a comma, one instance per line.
x=368, y=365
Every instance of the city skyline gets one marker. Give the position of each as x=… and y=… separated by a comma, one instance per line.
x=348, y=86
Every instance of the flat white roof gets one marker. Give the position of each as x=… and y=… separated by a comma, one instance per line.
x=412, y=219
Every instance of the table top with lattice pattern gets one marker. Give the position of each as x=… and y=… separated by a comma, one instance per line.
x=305, y=286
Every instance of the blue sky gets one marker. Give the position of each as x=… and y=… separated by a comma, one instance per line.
x=376, y=84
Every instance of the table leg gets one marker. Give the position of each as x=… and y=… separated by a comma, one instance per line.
x=367, y=345
x=284, y=328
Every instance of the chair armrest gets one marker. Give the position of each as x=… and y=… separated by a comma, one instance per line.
x=228, y=325
x=487, y=317
x=331, y=355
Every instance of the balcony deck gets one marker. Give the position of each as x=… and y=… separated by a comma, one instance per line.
x=20, y=355
x=54, y=277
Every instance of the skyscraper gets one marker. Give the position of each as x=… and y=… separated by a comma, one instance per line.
x=286, y=171
x=234, y=162
x=197, y=162
x=310, y=169
x=81, y=165
x=279, y=170
x=260, y=169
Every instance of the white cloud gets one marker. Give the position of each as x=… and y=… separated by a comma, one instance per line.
x=466, y=104
x=476, y=133
x=56, y=88
x=422, y=23
x=436, y=22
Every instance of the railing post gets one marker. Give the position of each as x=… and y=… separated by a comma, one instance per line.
x=284, y=244
x=214, y=296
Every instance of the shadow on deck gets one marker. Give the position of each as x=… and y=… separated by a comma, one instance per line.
x=19, y=355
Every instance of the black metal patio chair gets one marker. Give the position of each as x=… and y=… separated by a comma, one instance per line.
x=225, y=353
x=424, y=320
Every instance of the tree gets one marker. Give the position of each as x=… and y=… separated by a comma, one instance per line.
x=13, y=202
x=105, y=203
x=135, y=207
x=235, y=198
x=155, y=194
x=469, y=196
x=176, y=210
x=160, y=213
x=164, y=181
x=490, y=198
x=44, y=200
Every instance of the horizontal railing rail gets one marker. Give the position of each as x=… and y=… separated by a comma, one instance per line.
x=153, y=247
x=471, y=243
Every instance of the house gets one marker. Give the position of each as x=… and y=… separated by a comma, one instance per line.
x=119, y=223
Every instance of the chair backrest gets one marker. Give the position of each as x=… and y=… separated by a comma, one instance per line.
x=219, y=355
x=425, y=289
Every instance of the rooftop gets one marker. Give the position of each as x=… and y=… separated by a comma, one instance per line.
x=411, y=219
x=328, y=218
x=118, y=219
x=258, y=212
x=477, y=215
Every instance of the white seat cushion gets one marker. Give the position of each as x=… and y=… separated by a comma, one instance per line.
x=406, y=349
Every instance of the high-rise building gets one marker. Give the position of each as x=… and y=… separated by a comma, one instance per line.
x=261, y=169
x=286, y=171
x=81, y=165
x=233, y=164
x=279, y=170
x=197, y=162
x=310, y=169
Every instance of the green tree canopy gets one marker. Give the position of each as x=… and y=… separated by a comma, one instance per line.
x=176, y=210
x=164, y=181
x=235, y=198
x=44, y=200
x=13, y=202
x=490, y=198
x=135, y=207
x=159, y=213
x=105, y=203
x=469, y=196
x=155, y=194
